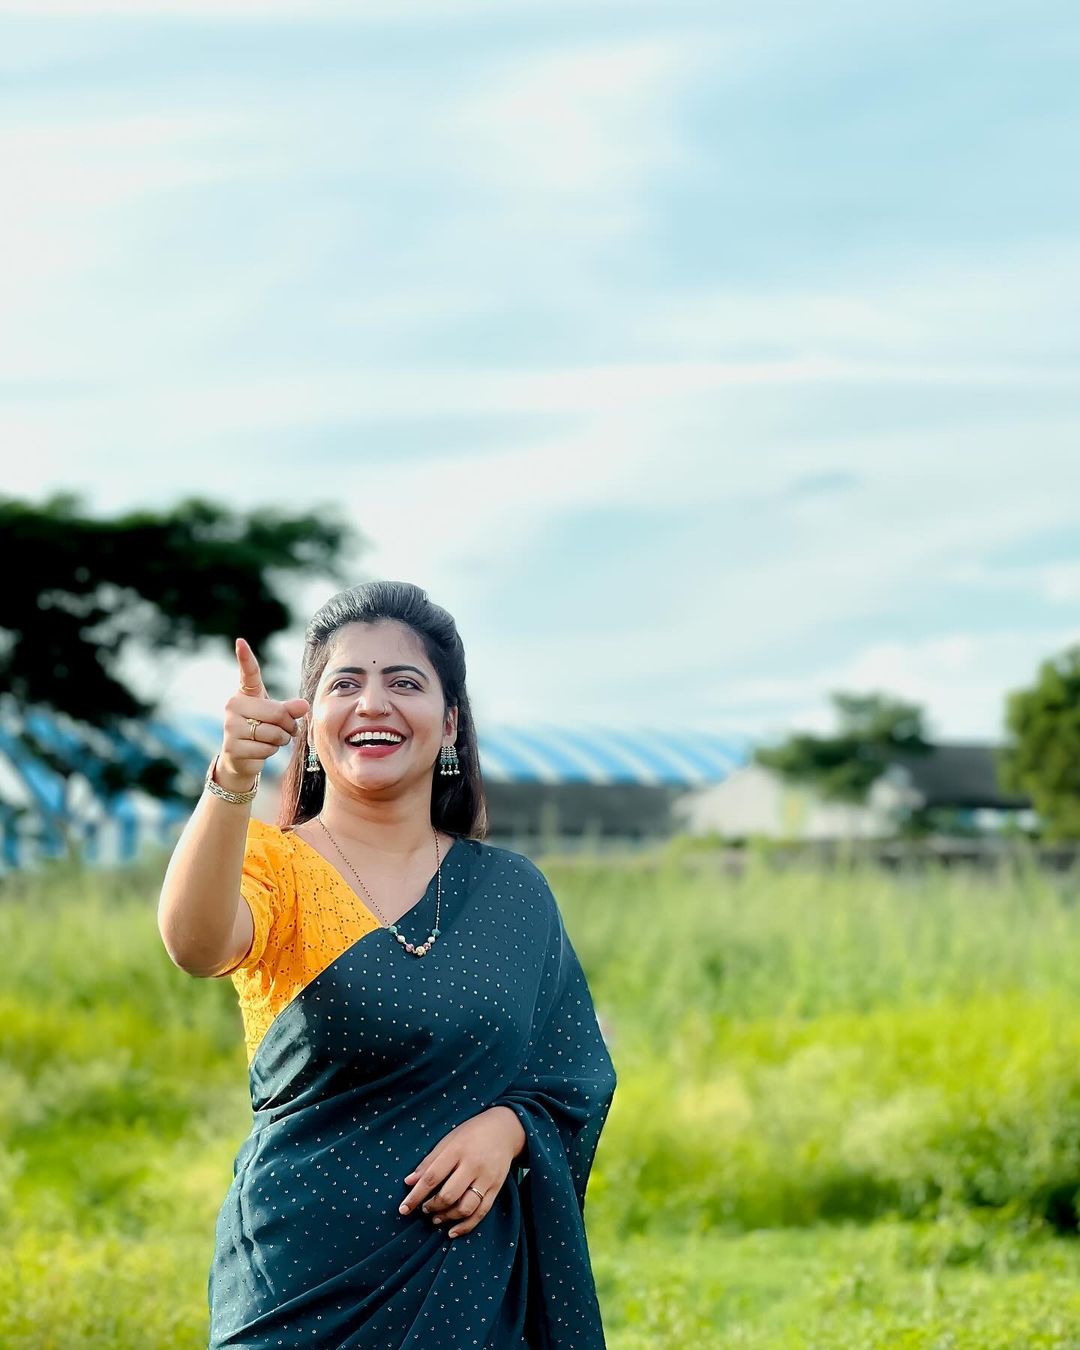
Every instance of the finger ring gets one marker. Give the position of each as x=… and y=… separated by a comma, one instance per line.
x=253, y=722
x=473, y=1188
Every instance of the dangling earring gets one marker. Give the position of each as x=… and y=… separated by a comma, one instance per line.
x=312, y=765
x=448, y=761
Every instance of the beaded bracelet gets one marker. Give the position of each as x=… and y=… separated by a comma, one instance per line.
x=240, y=798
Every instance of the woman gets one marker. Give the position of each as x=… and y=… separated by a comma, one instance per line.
x=428, y=1078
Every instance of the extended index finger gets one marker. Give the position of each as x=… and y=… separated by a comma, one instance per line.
x=251, y=681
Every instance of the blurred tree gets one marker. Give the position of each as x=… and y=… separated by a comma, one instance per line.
x=83, y=590
x=1043, y=760
x=873, y=730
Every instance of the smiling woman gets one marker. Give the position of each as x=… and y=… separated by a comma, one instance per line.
x=428, y=1077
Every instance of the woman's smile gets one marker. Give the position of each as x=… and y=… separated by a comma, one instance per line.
x=373, y=750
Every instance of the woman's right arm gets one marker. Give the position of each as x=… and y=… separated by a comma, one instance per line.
x=204, y=923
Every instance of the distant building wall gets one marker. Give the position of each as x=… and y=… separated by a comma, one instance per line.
x=756, y=801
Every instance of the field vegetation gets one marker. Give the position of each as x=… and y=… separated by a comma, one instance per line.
x=848, y=1110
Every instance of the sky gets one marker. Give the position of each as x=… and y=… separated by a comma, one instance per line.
x=701, y=359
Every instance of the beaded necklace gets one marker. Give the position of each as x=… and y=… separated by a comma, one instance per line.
x=422, y=948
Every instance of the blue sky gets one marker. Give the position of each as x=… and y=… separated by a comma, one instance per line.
x=700, y=359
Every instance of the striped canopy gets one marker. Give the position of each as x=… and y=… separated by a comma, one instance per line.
x=111, y=826
x=550, y=754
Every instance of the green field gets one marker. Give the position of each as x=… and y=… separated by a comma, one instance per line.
x=848, y=1110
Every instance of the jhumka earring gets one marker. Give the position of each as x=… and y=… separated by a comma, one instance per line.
x=312, y=765
x=448, y=761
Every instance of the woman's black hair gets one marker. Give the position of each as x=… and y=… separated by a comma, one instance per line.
x=458, y=802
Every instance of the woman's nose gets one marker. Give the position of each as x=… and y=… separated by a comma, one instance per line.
x=372, y=701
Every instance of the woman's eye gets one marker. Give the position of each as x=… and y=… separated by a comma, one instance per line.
x=342, y=684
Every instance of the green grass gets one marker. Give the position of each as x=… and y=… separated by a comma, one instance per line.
x=848, y=1110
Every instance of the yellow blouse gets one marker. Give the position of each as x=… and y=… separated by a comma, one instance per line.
x=305, y=915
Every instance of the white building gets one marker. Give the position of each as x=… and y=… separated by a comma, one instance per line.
x=958, y=778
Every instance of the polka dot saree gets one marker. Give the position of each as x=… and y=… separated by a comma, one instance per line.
x=361, y=1059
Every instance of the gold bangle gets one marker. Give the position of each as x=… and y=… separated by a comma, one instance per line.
x=239, y=798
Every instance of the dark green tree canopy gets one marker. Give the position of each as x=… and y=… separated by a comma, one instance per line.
x=873, y=730
x=83, y=589
x=1043, y=758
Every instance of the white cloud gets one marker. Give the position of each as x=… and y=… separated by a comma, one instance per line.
x=584, y=123
x=74, y=183
x=259, y=11
x=338, y=12
x=1058, y=582
x=1003, y=305
x=961, y=681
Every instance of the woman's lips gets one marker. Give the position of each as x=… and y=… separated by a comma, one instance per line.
x=376, y=751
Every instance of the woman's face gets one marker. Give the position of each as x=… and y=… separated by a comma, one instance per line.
x=378, y=676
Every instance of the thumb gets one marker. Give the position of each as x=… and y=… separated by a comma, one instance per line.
x=251, y=681
x=297, y=707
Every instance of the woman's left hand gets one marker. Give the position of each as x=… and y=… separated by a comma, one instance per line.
x=478, y=1152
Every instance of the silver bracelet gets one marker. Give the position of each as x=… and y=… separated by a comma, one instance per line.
x=240, y=798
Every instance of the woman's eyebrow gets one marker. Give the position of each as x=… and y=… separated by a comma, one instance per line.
x=386, y=670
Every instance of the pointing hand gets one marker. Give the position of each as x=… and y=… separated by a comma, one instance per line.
x=244, y=748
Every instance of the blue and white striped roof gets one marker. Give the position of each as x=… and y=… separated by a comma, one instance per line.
x=545, y=753
x=110, y=828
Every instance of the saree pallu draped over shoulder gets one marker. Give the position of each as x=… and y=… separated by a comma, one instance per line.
x=362, y=1058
